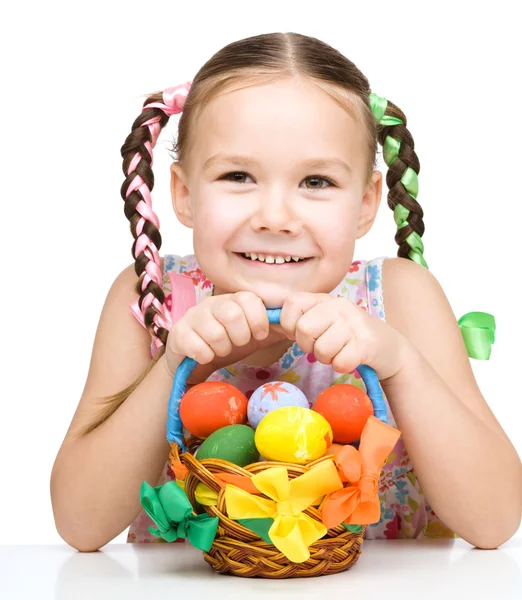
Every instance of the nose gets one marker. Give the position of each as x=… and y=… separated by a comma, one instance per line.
x=275, y=215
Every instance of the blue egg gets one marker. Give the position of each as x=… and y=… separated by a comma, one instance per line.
x=270, y=396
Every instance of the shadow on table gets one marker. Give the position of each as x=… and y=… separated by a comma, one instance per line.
x=425, y=569
x=91, y=575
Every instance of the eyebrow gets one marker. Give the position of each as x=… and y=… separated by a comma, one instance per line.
x=334, y=163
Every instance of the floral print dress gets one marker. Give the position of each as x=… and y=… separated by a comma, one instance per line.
x=405, y=510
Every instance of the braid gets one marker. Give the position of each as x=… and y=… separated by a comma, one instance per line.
x=401, y=178
x=477, y=328
x=149, y=309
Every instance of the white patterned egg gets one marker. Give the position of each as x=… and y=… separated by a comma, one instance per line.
x=270, y=396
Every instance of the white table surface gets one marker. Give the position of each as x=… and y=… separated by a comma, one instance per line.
x=394, y=569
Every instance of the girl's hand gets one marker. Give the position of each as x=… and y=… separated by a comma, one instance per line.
x=220, y=331
x=342, y=334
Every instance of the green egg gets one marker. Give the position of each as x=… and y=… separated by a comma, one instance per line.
x=234, y=443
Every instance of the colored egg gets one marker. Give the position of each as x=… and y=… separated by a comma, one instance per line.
x=347, y=408
x=234, y=443
x=270, y=396
x=210, y=405
x=293, y=434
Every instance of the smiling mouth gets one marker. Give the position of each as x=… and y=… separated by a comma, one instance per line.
x=272, y=258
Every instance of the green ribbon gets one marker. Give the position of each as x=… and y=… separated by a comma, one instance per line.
x=409, y=178
x=259, y=526
x=478, y=330
x=391, y=149
x=168, y=506
x=378, y=105
x=353, y=528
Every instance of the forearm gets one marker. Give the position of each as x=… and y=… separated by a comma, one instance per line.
x=471, y=475
x=96, y=479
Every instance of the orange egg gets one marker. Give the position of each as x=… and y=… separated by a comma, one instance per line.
x=347, y=408
x=210, y=405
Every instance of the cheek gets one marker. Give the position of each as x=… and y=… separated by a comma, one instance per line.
x=335, y=228
x=213, y=222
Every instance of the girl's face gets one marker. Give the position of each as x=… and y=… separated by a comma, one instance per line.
x=275, y=170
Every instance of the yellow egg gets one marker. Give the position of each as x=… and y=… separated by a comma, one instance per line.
x=293, y=434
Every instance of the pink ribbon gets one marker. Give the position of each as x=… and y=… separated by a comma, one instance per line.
x=173, y=102
x=173, y=99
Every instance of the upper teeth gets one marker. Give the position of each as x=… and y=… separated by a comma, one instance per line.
x=271, y=259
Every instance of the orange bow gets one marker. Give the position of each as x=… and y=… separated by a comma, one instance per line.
x=358, y=502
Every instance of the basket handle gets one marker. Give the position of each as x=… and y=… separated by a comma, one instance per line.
x=175, y=426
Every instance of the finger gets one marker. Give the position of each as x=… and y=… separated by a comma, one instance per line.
x=255, y=313
x=331, y=342
x=293, y=309
x=231, y=315
x=194, y=346
x=310, y=326
x=214, y=334
x=348, y=359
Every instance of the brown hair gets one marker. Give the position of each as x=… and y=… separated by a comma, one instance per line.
x=250, y=61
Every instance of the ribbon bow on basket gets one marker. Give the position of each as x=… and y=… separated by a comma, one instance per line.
x=171, y=510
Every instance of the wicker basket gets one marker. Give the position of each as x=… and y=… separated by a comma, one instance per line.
x=239, y=551
x=236, y=549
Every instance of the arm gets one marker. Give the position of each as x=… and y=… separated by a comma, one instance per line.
x=466, y=465
x=96, y=478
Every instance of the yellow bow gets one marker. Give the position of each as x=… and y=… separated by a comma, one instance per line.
x=292, y=531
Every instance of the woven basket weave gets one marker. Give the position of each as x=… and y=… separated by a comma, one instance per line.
x=236, y=549
x=239, y=550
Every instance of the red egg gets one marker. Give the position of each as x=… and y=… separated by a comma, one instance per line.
x=347, y=408
x=210, y=405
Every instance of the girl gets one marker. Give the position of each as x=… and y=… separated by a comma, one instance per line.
x=275, y=174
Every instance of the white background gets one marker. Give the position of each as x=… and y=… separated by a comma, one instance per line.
x=74, y=78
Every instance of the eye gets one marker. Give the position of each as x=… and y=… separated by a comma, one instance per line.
x=318, y=178
x=237, y=177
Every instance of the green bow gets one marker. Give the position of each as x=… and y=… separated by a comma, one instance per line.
x=168, y=506
x=478, y=330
